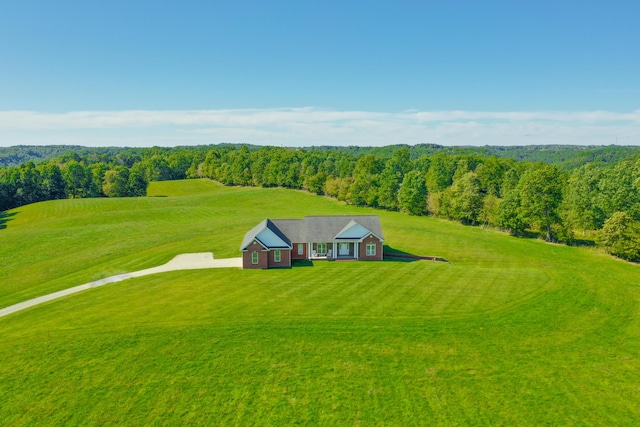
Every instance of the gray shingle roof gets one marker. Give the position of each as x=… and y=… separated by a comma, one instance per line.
x=325, y=228
x=293, y=228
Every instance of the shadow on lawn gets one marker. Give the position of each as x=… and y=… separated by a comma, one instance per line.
x=4, y=218
x=570, y=242
x=581, y=242
x=301, y=263
x=396, y=255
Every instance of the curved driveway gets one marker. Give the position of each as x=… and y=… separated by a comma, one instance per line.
x=180, y=262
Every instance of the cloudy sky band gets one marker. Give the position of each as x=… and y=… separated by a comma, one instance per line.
x=31, y=120
x=315, y=126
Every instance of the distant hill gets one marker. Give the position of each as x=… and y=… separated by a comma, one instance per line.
x=567, y=157
x=19, y=154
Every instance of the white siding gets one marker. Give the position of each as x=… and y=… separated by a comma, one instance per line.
x=356, y=231
x=270, y=239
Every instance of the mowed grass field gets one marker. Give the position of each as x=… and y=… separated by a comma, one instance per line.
x=509, y=332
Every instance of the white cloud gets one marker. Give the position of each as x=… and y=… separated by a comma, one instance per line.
x=314, y=126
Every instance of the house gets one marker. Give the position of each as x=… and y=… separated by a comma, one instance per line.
x=275, y=243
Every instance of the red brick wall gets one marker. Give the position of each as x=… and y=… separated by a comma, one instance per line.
x=285, y=258
x=294, y=251
x=263, y=261
x=362, y=249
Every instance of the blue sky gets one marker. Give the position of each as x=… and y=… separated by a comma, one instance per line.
x=295, y=73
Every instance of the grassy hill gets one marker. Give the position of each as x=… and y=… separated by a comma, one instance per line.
x=511, y=331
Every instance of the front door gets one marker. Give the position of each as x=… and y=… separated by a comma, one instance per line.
x=344, y=249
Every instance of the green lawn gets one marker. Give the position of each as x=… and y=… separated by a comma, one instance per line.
x=509, y=332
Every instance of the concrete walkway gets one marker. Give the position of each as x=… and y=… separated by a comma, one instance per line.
x=180, y=262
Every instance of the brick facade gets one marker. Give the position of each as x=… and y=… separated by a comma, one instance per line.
x=247, y=260
x=294, y=251
x=285, y=258
x=362, y=249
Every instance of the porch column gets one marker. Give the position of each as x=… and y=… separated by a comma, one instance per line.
x=355, y=249
x=334, y=252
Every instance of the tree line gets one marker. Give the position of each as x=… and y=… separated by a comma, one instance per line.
x=121, y=173
x=523, y=198
x=566, y=157
x=595, y=199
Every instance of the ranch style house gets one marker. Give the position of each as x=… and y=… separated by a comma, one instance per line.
x=275, y=243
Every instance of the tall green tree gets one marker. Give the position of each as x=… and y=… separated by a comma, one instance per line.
x=412, y=195
x=157, y=168
x=78, y=178
x=29, y=185
x=53, y=182
x=7, y=188
x=116, y=182
x=491, y=175
x=137, y=183
x=618, y=189
x=509, y=214
x=466, y=199
x=581, y=200
x=364, y=190
x=240, y=166
x=391, y=178
x=490, y=206
x=540, y=197
x=620, y=236
x=441, y=171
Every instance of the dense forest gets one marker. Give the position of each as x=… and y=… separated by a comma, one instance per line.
x=566, y=157
x=596, y=199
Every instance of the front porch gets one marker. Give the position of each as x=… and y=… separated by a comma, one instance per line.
x=333, y=250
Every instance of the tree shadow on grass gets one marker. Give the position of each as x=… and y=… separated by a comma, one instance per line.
x=4, y=218
x=395, y=255
x=528, y=234
x=581, y=242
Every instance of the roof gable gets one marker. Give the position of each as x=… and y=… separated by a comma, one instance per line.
x=267, y=234
x=270, y=239
x=353, y=230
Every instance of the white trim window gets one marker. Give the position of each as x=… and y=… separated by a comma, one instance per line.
x=300, y=248
x=276, y=255
x=321, y=249
x=371, y=249
x=254, y=257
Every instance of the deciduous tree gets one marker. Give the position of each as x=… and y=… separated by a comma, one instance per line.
x=540, y=197
x=466, y=200
x=116, y=182
x=412, y=195
x=620, y=237
x=509, y=216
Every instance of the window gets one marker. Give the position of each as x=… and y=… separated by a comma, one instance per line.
x=322, y=248
x=276, y=255
x=300, y=248
x=371, y=249
x=254, y=257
